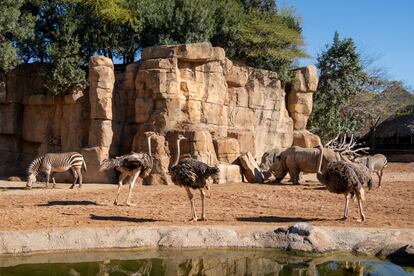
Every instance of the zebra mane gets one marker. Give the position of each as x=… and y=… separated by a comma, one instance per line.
x=34, y=166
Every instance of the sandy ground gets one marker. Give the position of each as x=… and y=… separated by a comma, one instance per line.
x=238, y=204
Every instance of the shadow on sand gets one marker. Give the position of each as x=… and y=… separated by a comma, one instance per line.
x=119, y=218
x=69, y=202
x=20, y=188
x=277, y=219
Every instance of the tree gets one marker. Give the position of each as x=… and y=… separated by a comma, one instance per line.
x=269, y=41
x=14, y=25
x=67, y=32
x=341, y=77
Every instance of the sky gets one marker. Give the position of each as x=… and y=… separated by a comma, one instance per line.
x=383, y=29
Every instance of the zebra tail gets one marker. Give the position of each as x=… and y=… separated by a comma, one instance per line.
x=84, y=166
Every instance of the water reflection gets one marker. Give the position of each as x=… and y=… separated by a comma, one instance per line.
x=196, y=262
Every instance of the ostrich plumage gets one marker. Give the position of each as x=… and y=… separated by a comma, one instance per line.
x=131, y=165
x=345, y=178
x=191, y=173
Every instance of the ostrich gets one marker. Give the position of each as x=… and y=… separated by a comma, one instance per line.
x=131, y=165
x=346, y=178
x=191, y=173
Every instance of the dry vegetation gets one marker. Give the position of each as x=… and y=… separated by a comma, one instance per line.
x=231, y=204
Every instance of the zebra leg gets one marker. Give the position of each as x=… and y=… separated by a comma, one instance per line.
x=379, y=173
x=79, y=171
x=346, y=208
x=47, y=178
x=121, y=179
x=131, y=187
x=203, y=212
x=54, y=182
x=193, y=210
x=75, y=178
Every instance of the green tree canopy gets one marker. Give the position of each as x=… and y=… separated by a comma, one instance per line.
x=14, y=25
x=341, y=77
x=67, y=32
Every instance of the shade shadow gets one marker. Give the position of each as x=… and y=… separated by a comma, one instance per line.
x=316, y=188
x=20, y=188
x=277, y=219
x=68, y=202
x=120, y=218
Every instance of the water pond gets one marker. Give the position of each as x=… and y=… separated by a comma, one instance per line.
x=196, y=262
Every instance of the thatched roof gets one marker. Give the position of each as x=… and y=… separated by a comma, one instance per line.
x=402, y=126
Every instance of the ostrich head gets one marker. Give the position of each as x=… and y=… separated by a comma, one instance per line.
x=214, y=174
x=181, y=137
x=149, y=133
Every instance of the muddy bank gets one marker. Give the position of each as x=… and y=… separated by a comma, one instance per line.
x=301, y=237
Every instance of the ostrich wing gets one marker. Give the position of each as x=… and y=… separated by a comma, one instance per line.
x=341, y=177
x=192, y=173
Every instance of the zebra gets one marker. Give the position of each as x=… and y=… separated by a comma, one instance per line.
x=51, y=163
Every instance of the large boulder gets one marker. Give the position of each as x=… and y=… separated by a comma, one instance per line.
x=229, y=173
x=305, y=139
x=227, y=149
x=250, y=168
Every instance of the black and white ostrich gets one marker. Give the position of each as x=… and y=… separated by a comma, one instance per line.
x=346, y=178
x=191, y=173
x=131, y=165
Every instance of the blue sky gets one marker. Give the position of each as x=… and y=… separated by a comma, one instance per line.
x=380, y=28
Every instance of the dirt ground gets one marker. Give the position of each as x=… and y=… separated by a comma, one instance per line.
x=229, y=204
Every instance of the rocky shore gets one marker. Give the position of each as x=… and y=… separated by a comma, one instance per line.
x=301, y=237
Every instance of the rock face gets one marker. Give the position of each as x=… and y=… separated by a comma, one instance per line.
x=223, y=109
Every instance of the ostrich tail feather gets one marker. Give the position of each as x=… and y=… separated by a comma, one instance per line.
x=110, y=164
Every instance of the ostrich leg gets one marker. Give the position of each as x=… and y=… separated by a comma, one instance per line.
x=131, y=187
x=121, y=180
x=203, y=212
x=361, y=211
x=191, y=197
x=346, y=208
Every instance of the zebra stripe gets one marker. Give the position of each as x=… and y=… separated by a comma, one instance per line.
x=57, y=161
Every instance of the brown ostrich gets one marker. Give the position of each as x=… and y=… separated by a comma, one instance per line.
x=131, y=165
x=346, y=178
x=191, y=173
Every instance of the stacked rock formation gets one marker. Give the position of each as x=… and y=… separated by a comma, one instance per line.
x=299, y=105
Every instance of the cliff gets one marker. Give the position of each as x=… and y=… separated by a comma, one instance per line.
x=193, y=89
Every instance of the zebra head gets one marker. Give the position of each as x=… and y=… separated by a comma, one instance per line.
x=31, y=178
x=33, y=170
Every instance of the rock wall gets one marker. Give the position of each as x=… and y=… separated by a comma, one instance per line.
x=223, y=109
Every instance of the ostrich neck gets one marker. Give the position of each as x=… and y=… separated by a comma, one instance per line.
x=177, y=157
x=320, y=160
x=149, y=146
